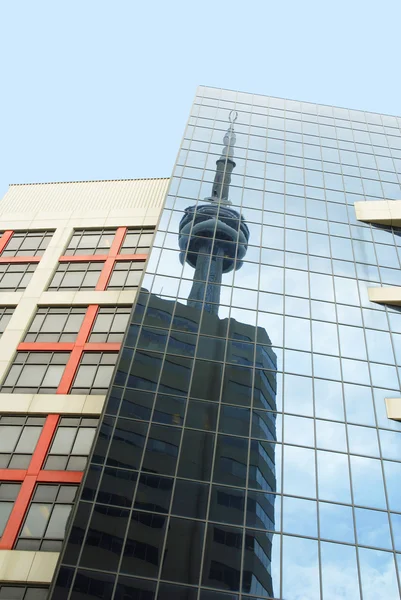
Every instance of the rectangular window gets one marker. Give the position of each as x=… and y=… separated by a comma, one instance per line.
x=5, y=316
x=15, y=277
x=110, y=324
x=76, y=276
x=137, y=241
x=35, y=372
x=94, y=373
x=27, y=243
x=18, y=438
x=55, y=324
x=71, y=444
x=126, y=275
x=90, y=241
x=46, y=518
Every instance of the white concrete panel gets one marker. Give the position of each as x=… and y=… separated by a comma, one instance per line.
x=93, y=405
x=15, y=403
x=385, y=295
x=43, y=567
x=10, y=298
x=15, y=565
x=24, y=566
x=393, y=407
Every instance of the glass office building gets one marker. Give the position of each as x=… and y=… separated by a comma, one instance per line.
x=245, y=450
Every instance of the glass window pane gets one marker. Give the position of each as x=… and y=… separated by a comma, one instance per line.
x=5, y=510
x=28, y=440
x=53, y=376
x=58, y=522
x=103, y=376
x=36, y=520
x=63, y=440
x=84, y=440
x=8, y=437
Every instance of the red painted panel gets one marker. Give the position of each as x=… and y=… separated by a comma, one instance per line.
x=84, y=258
x=46, y=346
x=75, y=356
x=105, y=275
x=87, y=324
x=19, y=259
x=18, y=513
x=102, y=347
x=12, y=474
x=43, y=445
x=133, y=257
x=118, y=241
x=60, y=477
x=4, y=239
x=69, y=371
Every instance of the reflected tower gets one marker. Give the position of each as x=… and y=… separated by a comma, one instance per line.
x=213, y=238
x=188, y=434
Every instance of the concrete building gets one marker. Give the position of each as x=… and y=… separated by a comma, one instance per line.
x=71, y=258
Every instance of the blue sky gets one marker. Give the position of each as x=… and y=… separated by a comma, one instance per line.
x=95, y=89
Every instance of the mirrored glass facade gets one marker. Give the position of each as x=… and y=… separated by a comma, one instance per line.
x=245, y=449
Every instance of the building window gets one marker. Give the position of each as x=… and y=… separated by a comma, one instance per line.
x=8, y=495
x=55, y=324
x=71, y=444
x=18, y=439
x=35, y=372
x=5, y=316
x=46, y=518
x=27, y=243
x=110, y=324
x=25, y=592
x=14, y=277
x=137, y=241
x=126, y=275
x=76, y=276
x=90, y=241
x=94, y=373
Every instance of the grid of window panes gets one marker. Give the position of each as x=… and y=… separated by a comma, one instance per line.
x=6, y=312
x=90, y=241
x=41, y=372
x=55, y=324
x=110, y=324
x=310, y=504
x=46, y=518
x=71, y=444
x=11, y=591
x=35, y=372
x=94, y=373
x=18, y=438
x=126, y=275
x=27, y=243
x=137, y=240
x=14, y=277
x=76, y=276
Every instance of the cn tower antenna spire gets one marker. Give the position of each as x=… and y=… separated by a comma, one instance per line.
x=213, y=238
x=225, y=164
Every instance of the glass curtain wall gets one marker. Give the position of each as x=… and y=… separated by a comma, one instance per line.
x=245, y=450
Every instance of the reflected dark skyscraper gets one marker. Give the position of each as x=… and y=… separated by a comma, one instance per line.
x=179, y=497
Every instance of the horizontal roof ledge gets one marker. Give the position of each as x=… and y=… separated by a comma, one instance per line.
x=385, y=295
x=384, y=212
x=393, y=408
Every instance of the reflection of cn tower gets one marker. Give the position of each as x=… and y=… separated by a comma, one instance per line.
x=213, y=238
